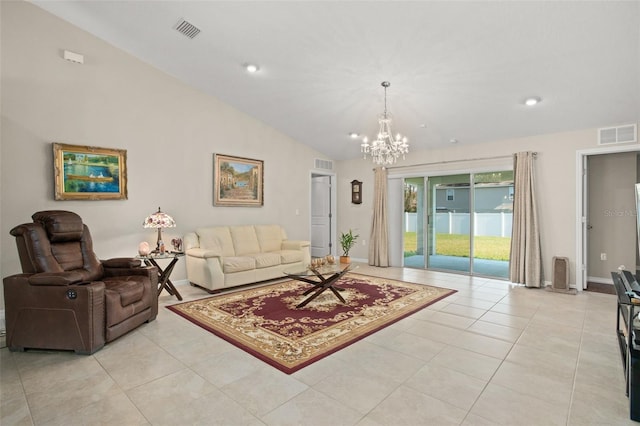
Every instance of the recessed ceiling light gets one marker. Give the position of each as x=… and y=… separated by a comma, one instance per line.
x=354, y=135
x=252, y=68
x=453, y=140
x=534, y=100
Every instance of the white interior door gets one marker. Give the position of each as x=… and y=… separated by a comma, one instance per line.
x=582, y=234
x=320, y=216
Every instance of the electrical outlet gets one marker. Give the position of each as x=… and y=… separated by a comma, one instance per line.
x=603, y=256
x=364, y=243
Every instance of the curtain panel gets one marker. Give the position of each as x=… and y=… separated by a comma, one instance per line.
x=525, y=266
x=379, y=238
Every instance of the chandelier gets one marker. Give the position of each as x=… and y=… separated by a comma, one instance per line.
x=385, y=150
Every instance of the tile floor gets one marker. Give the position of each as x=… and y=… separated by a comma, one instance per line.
x=492, y=353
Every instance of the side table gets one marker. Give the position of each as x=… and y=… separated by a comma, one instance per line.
x=629, y=338
x=163, y=274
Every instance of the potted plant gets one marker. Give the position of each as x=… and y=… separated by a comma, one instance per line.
x=347, y=241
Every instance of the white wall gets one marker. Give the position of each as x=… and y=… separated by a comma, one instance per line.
x=555, y=181
x=169, y=130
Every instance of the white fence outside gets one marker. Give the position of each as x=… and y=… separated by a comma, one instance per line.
x=486, y=224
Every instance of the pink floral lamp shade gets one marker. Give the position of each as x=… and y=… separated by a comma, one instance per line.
x=159, y=220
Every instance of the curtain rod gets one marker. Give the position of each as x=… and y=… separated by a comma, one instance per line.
x=456, y=161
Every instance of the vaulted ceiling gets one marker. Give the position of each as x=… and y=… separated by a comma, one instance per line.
x=458, y=70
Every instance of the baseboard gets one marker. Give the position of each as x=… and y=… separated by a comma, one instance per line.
x=600, y=280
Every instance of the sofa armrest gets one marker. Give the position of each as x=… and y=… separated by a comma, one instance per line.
x=202, y=253
x=295, y=244
x=55, y=278
x=190, y=241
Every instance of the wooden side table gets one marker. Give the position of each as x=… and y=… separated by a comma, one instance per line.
x=164, y=283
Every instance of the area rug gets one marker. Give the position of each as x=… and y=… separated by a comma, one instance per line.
x=265, y=322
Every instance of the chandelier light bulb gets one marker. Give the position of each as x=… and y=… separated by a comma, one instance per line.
x=385, y=150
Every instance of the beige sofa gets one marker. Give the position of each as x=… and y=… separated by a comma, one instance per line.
x=225, y=256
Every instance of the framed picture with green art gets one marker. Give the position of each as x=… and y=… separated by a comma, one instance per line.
x=237, y=181
x=89, y=172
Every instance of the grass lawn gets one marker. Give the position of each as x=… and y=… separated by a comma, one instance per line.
x=493, y=248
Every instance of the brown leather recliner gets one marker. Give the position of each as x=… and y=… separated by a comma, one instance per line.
x=67, y=299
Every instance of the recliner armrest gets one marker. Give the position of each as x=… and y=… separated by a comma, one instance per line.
x=150, y=271
x=123, y=266
x=55, y=278
x=121, y=262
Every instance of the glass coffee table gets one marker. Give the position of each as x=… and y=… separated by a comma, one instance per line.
x=322, y=278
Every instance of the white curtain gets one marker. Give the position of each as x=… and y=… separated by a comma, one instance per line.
x=379, y=238
x=525, y=265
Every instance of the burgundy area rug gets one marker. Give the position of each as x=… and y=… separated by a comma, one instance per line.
x=265, y=322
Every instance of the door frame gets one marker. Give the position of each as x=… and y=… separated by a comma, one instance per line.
x=333, y=202
x=581, y=196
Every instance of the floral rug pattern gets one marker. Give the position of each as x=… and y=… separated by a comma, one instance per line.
x=265, y=322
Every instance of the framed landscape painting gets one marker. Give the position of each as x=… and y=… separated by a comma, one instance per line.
x=237, y=181
x=89, y=173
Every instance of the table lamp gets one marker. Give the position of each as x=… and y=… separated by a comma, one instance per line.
x=159, y=220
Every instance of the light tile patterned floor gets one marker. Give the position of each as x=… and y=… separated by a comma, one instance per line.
x=493, y=353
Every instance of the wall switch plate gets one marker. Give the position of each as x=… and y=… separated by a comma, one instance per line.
x=603, y=256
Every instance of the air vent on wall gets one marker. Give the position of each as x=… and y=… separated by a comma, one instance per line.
x=620, y=134
x=187, y=28
x=324, y=164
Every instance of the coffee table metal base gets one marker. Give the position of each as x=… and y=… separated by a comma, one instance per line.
x=321, y=285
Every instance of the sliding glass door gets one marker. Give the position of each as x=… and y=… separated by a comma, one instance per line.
x=414, y=223
x=459, y=223
x=449, y=239
x=492, y=216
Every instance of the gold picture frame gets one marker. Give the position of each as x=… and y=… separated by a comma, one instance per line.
x=89, y=173
x=237, y=181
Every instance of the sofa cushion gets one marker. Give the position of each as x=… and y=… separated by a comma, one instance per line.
x=290, y=256
x=244, y=240
x=265, y=260
x=270, y=237
x=217, y=239
x=238, y=264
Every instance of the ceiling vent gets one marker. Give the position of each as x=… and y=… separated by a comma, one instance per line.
x=620, y=134
x=324, y=164
x=187, y=28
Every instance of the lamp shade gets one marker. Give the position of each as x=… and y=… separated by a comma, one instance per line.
x=159, y=219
